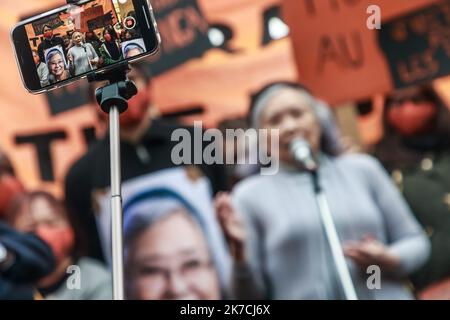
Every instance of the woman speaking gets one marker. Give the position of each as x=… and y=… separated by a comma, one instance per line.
x=56, y=65
x=82, y=56
x=274, y=228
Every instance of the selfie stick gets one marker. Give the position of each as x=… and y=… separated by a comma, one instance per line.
x=113, y=100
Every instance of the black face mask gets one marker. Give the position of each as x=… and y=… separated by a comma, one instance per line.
x=423, y=143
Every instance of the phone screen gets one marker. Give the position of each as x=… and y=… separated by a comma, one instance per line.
x=96, y=34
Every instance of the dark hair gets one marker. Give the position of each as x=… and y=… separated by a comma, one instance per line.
x=93, y=38
x=429, y=94
x=392, y=151
x=110, y=31
x=132, y=33
x=46, y=26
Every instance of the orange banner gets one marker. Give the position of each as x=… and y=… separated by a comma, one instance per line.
x=337, y=55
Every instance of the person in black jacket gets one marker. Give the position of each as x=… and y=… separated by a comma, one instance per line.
x=24, y=259
x=49, y=41
x=145, y=148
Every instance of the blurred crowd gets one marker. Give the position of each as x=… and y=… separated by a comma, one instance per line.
x=391, y=206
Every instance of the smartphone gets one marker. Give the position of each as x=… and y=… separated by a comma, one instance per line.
x=66, y=44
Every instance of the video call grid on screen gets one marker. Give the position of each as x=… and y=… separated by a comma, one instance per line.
x=95, y=34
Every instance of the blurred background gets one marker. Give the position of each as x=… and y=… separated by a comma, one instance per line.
x=217, y=53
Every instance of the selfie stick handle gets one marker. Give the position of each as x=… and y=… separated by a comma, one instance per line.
x=113, y=99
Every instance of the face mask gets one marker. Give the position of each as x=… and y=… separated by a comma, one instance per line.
x=137, y=109
x=108, y=37
x=48, y=34
x=60, y=238
x=412, y=119
x=10, y=188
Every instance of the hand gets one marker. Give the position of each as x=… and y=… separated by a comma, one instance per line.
x=370, y=251
x=70, y=57
x=93, y=62
x=232, y=226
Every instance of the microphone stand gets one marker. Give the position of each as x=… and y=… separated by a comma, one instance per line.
x=87, y=57
x=113, y=100
x=326, y=217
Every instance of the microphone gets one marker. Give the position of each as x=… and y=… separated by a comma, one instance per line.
x=301, y=151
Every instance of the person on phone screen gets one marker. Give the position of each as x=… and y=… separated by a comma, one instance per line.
x=132, y=49
x=110, y=49
x=41, y=69
x=56, y=66
x=49, y=41
x=415, y=150
x=93, y=39
x=128, y=35
x=82, y=56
